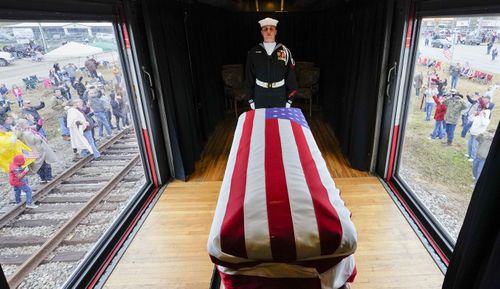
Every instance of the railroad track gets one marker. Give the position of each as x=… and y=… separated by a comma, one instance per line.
x=67, y=202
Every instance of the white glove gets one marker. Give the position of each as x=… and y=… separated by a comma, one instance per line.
x=288, y=104
x=252, y=105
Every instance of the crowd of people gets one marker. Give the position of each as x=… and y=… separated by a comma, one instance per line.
x=472, y=112
x=82, y=120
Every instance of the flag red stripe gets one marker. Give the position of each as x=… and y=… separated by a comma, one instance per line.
x=232, y=232
x=329, y=227
x=279, y=214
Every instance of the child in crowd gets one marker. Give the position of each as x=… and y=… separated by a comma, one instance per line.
x=429, y=101
x=18, y=94
x=18, y=180
x=439, y=130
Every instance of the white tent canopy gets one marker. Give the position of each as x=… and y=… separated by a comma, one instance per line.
x=72, y=50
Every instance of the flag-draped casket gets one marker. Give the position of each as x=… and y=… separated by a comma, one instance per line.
x=279, y=220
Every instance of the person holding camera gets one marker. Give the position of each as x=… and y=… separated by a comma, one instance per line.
x=454, y=106
x=32, y=110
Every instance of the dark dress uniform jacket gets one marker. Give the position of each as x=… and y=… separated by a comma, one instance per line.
x=270, y=68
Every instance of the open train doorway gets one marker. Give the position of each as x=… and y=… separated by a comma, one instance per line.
x=71, y=160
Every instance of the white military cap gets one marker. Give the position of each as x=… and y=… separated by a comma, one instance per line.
x=268, y=22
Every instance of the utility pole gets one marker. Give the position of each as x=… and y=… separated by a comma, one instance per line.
x=45, y=48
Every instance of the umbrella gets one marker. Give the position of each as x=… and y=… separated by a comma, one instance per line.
x=72, y=50
x=10, y=146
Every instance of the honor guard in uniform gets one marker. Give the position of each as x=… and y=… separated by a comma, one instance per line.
x=270, y=71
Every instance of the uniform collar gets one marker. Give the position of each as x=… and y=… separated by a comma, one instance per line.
x=278, y=45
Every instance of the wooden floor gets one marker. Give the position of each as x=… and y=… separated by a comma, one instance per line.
x=170, y=249
x=214, y=157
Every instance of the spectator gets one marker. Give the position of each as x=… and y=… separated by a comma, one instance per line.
x=484, y=141
x=56, y=67
x=4, y=110
x=439, y=118
x=33, y=111
x=80, y=130
x=9, y=123
x=429, y=101
x=455, y=74
x=476, y=105
x=418, y=81
x=490, y=92
x=115, y=107
x=441, y=84
x=101, y=78
x=99, y=106
x=18, y=181
x=106, y=101
x=91, y=65
x=80, y=89
x=479, y=124
x=71, y=69
x=54, y=77
x=39, y=145
x=494, y=54
x=80, y=105
x=18, y=95
x=118, y=75
x=59, y=101
x=488, y=47
x=465, y=112
x=125, y=110
x=47, y=82
x=65, y=91
x=454, y=105
x=3, y=92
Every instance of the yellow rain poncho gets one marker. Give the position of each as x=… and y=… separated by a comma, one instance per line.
x=11, y=146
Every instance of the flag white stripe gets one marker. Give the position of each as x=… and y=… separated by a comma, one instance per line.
x=214, y=246
x=257, y=240
x=305, y=226
x=349, y=235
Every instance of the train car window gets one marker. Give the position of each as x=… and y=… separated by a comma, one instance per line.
x=451, y=114
x=69, y=158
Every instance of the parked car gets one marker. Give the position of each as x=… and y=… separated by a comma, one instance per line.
x=18, y=50
x=5, y=58
x=105, y=36
x=440, y=43
x=82, y=38
x=472, y=40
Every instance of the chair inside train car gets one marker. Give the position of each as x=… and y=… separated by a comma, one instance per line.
x=308, y=81
x=234, y=86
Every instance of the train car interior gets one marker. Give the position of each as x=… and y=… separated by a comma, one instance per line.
x=398, y=95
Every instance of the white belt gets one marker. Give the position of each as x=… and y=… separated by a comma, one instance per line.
x=270, y=84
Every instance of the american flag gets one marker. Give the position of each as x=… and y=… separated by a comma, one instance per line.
x=447, y=52
x=278, y=202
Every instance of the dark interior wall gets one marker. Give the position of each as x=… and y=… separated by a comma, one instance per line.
x=195, y=40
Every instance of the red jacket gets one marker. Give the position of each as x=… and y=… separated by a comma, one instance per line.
x=20, y=91
x=440, y=109
x=16, y=171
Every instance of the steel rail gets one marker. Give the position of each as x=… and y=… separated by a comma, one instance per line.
x=19, y=208
x=41, y=254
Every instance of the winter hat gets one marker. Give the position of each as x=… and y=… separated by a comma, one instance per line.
x=19, y=160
